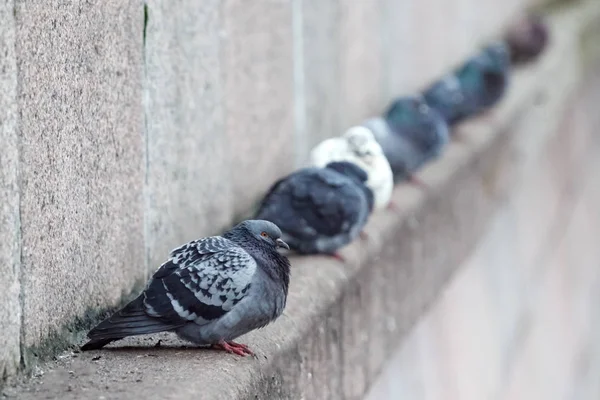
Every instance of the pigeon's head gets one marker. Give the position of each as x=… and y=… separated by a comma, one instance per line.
x=264, y=231
x=349, y=169
x=362, y=143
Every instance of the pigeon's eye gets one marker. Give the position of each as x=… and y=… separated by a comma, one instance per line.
x=264, y=234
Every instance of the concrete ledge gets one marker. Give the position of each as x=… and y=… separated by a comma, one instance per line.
x=342, y=320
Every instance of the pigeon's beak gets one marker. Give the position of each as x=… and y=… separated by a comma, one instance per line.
x=282, y=244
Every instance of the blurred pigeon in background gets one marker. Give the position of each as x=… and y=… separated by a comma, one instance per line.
x=527, y=39
x=483, y=80
x=446, y=97
x=358, y=146
x=320, y=210
x=209, y=291
x=410, y=134
x=478, y=85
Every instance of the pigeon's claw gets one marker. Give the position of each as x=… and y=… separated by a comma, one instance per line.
x=234, y=348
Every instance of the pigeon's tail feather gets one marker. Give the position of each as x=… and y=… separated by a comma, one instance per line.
x=132, y=320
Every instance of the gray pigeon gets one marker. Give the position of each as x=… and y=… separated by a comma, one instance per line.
x=209, y=291
x=411, y=133
x=478, y=85
x=320, y=210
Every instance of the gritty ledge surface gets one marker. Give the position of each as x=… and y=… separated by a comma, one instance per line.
x=342, y=320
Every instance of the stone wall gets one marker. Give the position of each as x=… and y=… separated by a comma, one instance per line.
x=128, y=128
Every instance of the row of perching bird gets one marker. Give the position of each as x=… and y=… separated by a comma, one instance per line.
x=213, y=290
x=324, y=207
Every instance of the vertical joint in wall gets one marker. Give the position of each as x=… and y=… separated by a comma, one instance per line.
x=145, y=104
x=300, y=142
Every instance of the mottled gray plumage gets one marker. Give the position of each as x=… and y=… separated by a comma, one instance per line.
x=319, y=210
x=209, y=291
x=411, y=134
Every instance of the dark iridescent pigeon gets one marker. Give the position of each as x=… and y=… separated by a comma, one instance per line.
x=411, y=134
x=209, y=291
x=320, y=210
x=484, y=79
x=475, y=87
x=446, y=97
x=527, y=39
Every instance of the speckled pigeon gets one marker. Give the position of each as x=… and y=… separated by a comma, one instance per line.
x=320, y=210
x=411, y=134
x=358, y=145
x=209, y=291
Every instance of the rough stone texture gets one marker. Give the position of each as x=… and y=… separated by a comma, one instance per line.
x=80, y=123
x=188, y=162
x=10, y=308
x=257, y=68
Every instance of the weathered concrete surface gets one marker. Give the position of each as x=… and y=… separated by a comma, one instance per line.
x=188, y=193
x=10, y=309
x=80, y=123
x=259, y=100
x=340, y=314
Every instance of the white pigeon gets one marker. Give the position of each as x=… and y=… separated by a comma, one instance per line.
x=358, y=146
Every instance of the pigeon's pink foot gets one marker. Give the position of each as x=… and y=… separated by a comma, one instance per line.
x=364, y=235
x=234, y=348
x=338, y=257
x=413, y=180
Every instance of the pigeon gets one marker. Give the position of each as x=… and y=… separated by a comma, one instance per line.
x=476, y=86
x=446, y=97
x=320, y=210
x=527, y=39
x=209, y=291
x=411, y=133
x=483, y=80
x=358, y=145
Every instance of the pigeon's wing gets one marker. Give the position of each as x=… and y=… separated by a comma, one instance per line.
x=200, y=282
